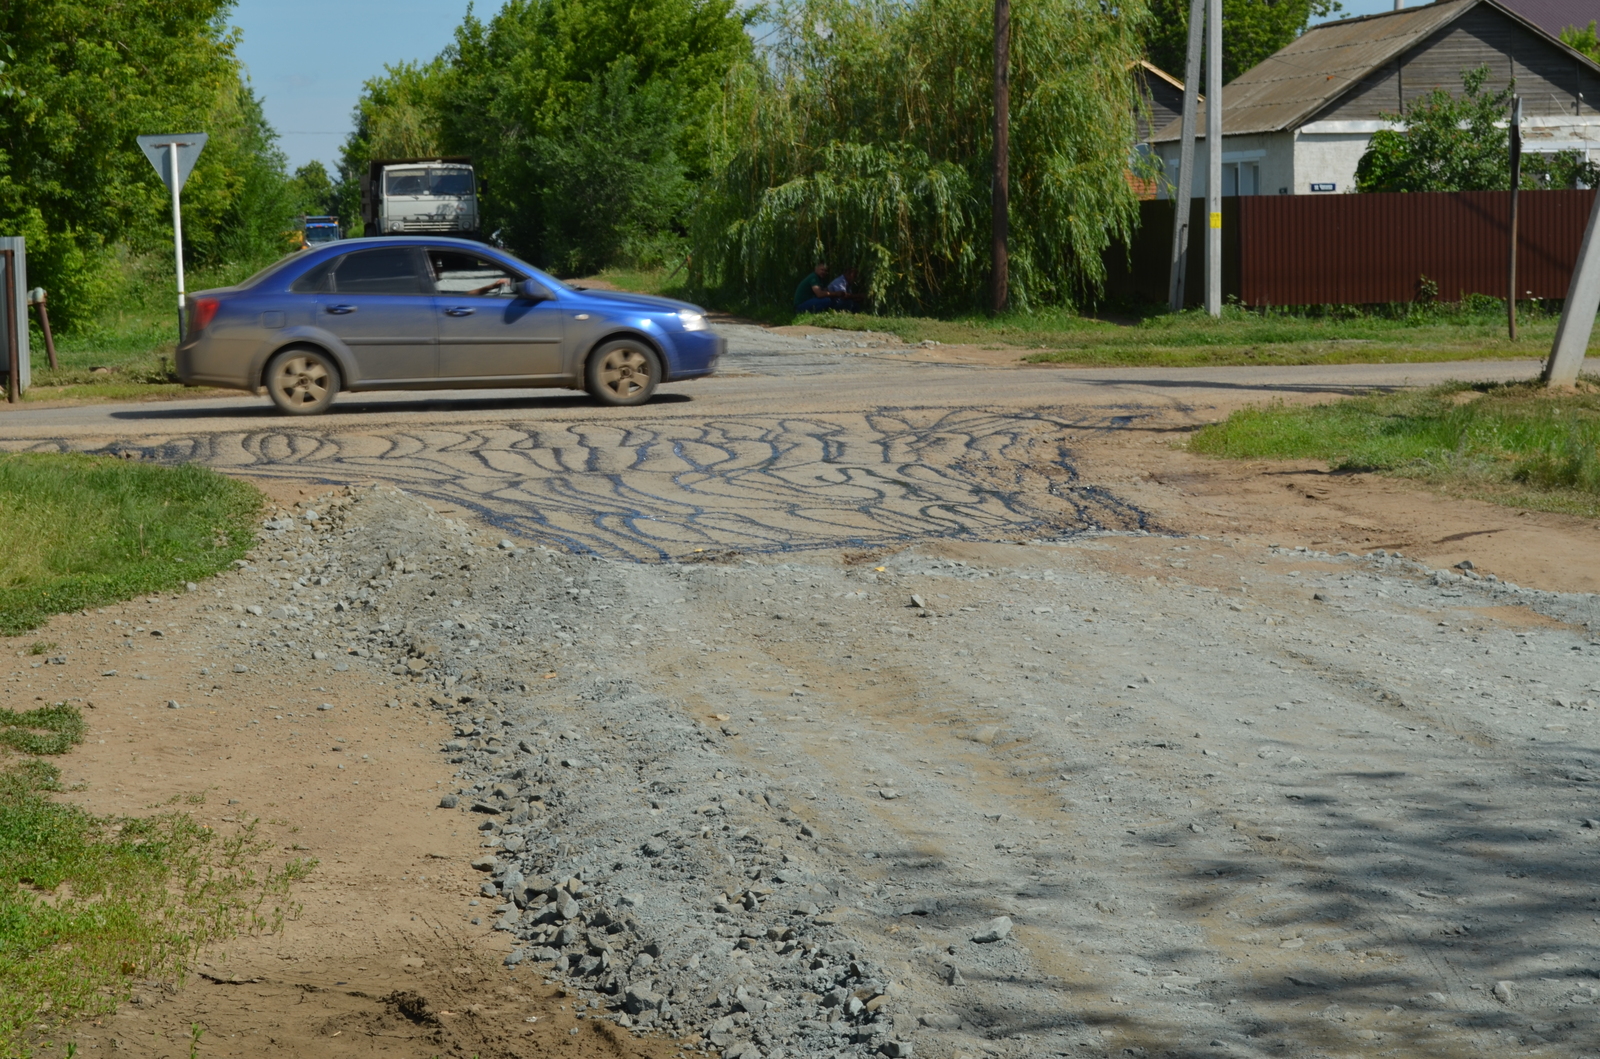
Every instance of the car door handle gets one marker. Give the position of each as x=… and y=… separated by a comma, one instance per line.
x=460, y=310
x=341, y=310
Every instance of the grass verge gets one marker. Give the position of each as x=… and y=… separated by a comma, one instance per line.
x=1513, y=443
x=1403, y=334
x=82, y=531
x=89, y=904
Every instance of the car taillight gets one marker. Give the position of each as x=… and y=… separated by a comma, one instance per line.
x=205, y=310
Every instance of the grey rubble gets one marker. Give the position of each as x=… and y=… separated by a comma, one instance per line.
x=689, y=861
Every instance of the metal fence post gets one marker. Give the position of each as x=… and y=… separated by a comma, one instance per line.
x=8, y=311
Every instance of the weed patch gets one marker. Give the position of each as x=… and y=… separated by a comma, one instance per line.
x=89, y=904
x=46, y=730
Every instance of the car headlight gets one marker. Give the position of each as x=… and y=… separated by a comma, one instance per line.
x=692, y=321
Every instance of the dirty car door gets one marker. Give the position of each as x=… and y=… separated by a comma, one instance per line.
x=487, y=330
x=376, y=302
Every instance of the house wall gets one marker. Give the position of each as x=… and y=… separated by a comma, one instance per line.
x=1551, y=81
x=1162, y=101
x=1328, y=153
x=1559, y=96
x=1272, y=155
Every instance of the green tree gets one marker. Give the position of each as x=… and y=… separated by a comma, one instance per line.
x=1251, y=31
x=865, y=137
x=78, y=82
x=555, y=99
x=314, y=191
x=1446, y=143
x=612, y=181
x=1583, y=40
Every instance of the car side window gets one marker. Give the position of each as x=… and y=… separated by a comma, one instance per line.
x=387, y=270
x=461, y=273
x=312, y=282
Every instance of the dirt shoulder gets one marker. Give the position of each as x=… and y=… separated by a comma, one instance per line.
x=337, y=762
x=1303, y=503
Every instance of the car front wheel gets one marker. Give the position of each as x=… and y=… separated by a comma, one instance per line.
x=622, y=372
x=302, y=382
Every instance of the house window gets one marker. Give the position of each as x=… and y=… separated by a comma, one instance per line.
x=1241, y=178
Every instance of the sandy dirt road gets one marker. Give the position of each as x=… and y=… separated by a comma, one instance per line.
x=779, y=698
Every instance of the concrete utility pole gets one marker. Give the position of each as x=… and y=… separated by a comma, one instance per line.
x=1000, y=192
x=1214, y=157
x=1183, y=186
x=1577, y=318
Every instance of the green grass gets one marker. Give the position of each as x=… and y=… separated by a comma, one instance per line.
x=125, y=352
x=1514, y=443
x=1400, y=334
x=82, y=531
x=88, y=904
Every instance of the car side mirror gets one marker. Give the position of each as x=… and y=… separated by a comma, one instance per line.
x=534, y=291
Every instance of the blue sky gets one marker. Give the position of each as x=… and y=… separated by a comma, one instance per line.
x=308, y=58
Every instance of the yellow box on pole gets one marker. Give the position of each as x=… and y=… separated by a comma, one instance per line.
x=1216, y=220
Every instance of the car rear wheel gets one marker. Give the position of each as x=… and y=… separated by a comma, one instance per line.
x=302, y=382
x=622, y=372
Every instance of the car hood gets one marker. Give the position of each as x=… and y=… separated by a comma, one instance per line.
x=639, y=301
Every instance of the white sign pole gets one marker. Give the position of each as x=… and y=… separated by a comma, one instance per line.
x=173, y=156
x=177, y=233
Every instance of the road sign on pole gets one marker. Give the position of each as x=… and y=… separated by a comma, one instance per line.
x=174, y=155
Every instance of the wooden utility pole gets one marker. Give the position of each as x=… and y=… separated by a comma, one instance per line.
x=1183, y=187
x=1516, y=179
x=1000, y=202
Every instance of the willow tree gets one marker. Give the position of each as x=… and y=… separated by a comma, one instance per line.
x=864, y=137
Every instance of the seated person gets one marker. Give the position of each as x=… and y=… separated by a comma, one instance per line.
x=842, y=291
x=812, y=294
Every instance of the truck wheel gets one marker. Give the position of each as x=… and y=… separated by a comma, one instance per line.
x=302, y=382
x=622, y=372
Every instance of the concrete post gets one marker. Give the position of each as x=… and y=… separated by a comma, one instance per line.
x=1583, y=302
x=1183, y=186
x=1214, y=157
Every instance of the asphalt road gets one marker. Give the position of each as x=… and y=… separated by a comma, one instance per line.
x=792, y=447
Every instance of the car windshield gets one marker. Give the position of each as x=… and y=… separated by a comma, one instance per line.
x=450, y=181
x=406, y=182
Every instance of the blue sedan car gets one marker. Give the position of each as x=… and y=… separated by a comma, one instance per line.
x=433, y=313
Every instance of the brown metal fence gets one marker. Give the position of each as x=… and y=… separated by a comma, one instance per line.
x=1367, y=249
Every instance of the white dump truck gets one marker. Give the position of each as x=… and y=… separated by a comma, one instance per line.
x=403, y=196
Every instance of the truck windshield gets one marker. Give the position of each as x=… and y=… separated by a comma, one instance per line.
x=406, y=182
x=452, y=182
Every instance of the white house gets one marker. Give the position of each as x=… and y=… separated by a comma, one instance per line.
x=1298, y=122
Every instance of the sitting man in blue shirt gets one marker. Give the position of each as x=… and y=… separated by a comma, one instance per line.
x=812, y=295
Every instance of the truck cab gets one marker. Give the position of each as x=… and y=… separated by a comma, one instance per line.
x=314, y=231
x=411, y=196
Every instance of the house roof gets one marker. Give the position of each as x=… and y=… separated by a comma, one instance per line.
x=1152, y=68
x=1288, y=87
x=1553, y=16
